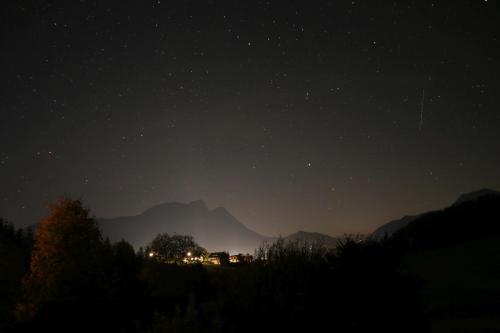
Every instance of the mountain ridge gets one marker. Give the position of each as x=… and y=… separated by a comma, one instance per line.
x=474, y=195
x=211, y=228
x=391, y=227
x=312, y=237
x=215, y=229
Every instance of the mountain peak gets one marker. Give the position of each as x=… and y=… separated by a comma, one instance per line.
x=474, y=195
x=198, y=204
x=213, y=229
x=302, y=233
x=312, y=237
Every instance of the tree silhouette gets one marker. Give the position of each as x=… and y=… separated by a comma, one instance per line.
x=65, y=262
x=173, y=249
x=15, y=249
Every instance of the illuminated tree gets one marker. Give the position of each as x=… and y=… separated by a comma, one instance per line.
x=173, y=249
x=65, y=260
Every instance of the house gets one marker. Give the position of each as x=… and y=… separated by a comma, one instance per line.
x=191, y=258
x=240, y=258
x=219, y=258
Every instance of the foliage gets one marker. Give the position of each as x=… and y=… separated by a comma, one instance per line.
x=15, y=247
x=173, y=249
x=78, y=279
x=65, y=258
x=286, y=252
x=298, y=287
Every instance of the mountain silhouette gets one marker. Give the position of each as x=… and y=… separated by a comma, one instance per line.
x=305, y=237
x=472, y=216
x=475, y=195
x=216, y=230
x=391, y=227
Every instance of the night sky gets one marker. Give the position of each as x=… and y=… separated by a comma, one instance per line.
x=328, y=116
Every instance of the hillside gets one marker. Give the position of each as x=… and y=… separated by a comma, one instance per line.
x=455, y=252
x=458, y=223
x=313, y=238
x=461, y=286
x=391, y=227
x=472, y=205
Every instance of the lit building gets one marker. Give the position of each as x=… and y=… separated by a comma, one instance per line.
x=192, y=259
x=218, y=258
x=240, y=258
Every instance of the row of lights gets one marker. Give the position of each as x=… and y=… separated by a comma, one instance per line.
x=189, y=254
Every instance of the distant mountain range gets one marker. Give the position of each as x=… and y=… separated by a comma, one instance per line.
x=474, y=213
x=216, y=230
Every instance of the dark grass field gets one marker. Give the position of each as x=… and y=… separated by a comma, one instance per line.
x=461, y=285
